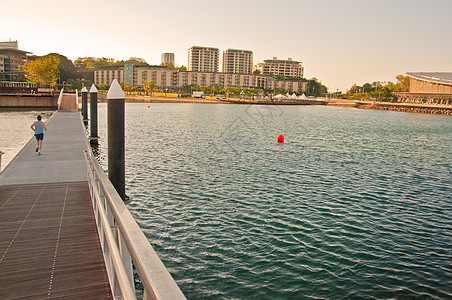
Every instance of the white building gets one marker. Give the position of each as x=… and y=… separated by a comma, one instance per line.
x=275, y=66
x=237, y=61
x=136, y=75
x=168, y=58
x=203, y=59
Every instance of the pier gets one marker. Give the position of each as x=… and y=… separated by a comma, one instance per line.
x=64, y=231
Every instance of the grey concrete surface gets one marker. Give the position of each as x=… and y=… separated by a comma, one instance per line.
x=62, y=156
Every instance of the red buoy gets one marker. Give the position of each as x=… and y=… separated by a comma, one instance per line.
x=149, y=106
x=280, y=138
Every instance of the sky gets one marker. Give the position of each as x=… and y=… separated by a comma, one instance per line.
x=339, y=42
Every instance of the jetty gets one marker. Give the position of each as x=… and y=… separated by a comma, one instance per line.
x=64, y=231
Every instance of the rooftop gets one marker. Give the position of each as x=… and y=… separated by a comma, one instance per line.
x=435, y=77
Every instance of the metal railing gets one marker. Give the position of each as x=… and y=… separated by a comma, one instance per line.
x=124, y=244
x=60, y=97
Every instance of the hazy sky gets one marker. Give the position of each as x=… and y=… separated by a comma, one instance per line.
x=340, y=42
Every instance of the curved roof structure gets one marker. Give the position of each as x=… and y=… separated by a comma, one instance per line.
x=435, y=77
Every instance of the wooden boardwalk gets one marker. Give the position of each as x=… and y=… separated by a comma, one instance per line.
x=49, y=247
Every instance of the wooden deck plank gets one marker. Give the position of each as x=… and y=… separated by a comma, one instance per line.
x=49, y=243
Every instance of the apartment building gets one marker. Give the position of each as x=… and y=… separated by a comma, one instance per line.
x=168, y=58
x=203, y=59
x=175, y=79
x=275, y=66
x=237, y=61
x=11, y=59
x=3, y=62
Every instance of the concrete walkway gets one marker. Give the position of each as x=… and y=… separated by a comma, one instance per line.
x=62, y=155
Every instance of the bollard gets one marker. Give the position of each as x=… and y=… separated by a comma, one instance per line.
x=93, y=114
x=85, y=105
x=116, y=138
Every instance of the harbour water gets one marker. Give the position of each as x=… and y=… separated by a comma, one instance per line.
x=355, y=203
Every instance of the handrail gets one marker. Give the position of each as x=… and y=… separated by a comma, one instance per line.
x=59, y=98
x=129, y=243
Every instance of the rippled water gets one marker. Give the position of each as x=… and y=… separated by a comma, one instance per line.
x=355, y=203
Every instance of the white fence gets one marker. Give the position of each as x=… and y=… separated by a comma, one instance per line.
x=124, y=243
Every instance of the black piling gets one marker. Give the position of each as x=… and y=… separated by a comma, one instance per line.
x=116, y=138
x=85, y=105
x=93, y=114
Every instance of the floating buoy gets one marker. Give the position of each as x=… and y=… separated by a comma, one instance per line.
x=149, y=106
x=280, y=138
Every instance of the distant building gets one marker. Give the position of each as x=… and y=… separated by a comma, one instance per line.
x=164, y=78
x=11, y=60
x=203, y=59
x=168, y=58
x=237, y=61
x=429, y=88
x=275, y=66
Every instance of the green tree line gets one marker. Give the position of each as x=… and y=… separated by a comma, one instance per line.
x=377, y=90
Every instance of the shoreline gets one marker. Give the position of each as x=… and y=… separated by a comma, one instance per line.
x=445, y=110
x=154, y=99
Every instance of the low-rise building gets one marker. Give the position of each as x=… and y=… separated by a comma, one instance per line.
x=164, y=78
x=428, y=88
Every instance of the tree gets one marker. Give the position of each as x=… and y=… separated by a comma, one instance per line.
x=182, y=68
x=316, y=88
x=90, y=62
x=169, y=66
x=66, y=67
x=44, y=70
x=127, y=87
x=403, y=84
x=257, y=72
x=149, y=87
x=137, y=61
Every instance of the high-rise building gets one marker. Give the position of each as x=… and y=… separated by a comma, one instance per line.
x=203, y=59
x=168, y=58
x=237, y=61
x=275, y=66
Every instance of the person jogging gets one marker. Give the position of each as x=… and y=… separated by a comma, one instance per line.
x=39, y=128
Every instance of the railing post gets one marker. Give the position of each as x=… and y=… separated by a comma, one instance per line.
x=85, y=105
x=126, y=257
x=93, y=114
x=116, y=138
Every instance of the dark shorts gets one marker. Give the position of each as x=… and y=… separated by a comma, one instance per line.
x=39, y=136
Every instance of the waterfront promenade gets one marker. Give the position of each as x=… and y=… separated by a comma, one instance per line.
x=49, y=247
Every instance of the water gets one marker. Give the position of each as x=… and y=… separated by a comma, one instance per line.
x=355, y=203
x=16, y=131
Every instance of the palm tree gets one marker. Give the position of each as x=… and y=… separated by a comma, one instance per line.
x=149, y=87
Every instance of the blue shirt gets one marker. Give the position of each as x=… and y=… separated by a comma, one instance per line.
x=38, y=128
